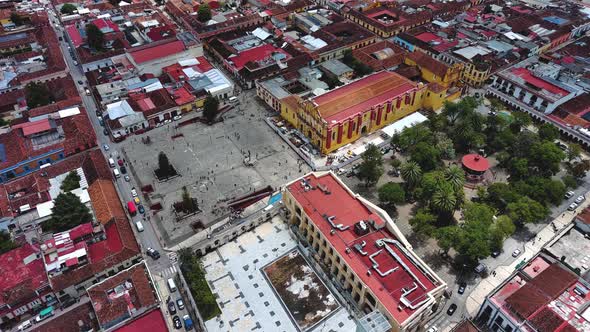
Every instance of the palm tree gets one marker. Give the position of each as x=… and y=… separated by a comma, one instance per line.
x=455, y=176
x=444, y=200
x=411, y=173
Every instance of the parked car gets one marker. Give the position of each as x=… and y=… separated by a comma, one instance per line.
x=433, y=329
x=127, y=178
x=495, y=253
x=180, y=304
x=80, y=82
x=133, y=192
x=572, y=207
x=481, y=268
x=123, y=170
x=177, y=322
x=172, y=308
x=105, y=132
x=451, y=309
x=462, y=287
x=569, y=194
x=136, y=200
x=579, y=199
x=177, y=117
x=141, y=209
x=120, y=162
x=516, y=252
x=153, y=253
x=105, y=147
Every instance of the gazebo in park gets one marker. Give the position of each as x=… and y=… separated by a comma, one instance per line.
x=475, y=166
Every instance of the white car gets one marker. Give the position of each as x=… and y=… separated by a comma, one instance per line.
x=433, y=329
x=127, y=179
x=579, y=199
x=105, y=147
x=133, y=192
x=572, y=207
x=515, y=253
x=177, y=117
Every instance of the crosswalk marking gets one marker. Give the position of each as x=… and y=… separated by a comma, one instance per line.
x=169, y=271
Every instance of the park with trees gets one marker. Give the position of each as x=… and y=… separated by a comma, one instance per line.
x=530, y=173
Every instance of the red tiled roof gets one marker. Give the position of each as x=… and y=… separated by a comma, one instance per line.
x=475, y=162
x=105, y=201
x=35, y=127
x=141, y=55
x=256, y=54
x=22, y=273
x=74, y=35
x=182, y=96
x=424, y=60
x=546, y=320
x=359, y=96
x=152, y=321
x=119, y=246
x=112, y=308
x=347, y=211
x=68, y=321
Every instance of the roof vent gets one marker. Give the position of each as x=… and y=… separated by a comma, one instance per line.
x=379, y=243
x=332, y=232
x=369, y=272
x=361, y=228
x=347, y=250
x=324, y=189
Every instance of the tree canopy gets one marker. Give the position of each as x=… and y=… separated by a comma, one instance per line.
x=71, y=182
x=210, y=108
x=37, y=95
x=371, y=168
x=95, y=37
x=204, y=13
x=6, y=243
x=68, y=9
x=194, y=274
x=68, y=212
x=391, y=193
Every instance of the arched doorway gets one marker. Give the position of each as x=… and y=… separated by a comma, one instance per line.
x=363, y=130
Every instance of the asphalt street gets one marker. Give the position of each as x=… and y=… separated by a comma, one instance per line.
x=164, y=267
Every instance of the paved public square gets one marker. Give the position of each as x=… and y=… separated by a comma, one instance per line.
x=246, y=298
x=210, y=160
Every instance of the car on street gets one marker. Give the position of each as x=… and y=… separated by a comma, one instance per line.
x=177, y=322
x=80, y=82
x=516, y=252
x=153, y=253
x=136, y=200
x=171, y=307
x=105, y=147
x=579, y=199
x=481, y=268
x=120, y=162
x=133, y=192
x=180, y=304
x=432, y=329
x=177, y=117
x=462, y=287
x=123, y=170
x=572, y=207
x=141, y=209
x=127, y=178
x=495, y=253
x=105, y=132
x=451, y=309
x=569, y=194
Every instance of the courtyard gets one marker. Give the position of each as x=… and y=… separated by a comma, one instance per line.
x=211, y=161
x=247, y=299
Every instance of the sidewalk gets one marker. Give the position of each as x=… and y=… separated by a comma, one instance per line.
x=531, y=248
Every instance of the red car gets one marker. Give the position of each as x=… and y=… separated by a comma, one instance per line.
x=120, y=162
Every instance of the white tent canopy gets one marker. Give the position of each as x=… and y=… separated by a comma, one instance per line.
x=409, y=121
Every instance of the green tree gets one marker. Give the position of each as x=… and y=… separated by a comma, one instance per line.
x=448, y=237
x=164, y=166
x=204, y=13
x=411, y=172
x=455, y=176
x=71, y=182
x=6, y=243
x=495, y=105
x=188, y=202
x=548, y=132
x=518, y=168
x=573, y=152
x=520, y=120
x=194, y=274
x=546, y=157
x=570, y=181
x=444, y=199
x=411, y=136
x=474, y=241
x=426, y=155
x=68, y=9
x=423, y=223
x=499, y=195
x=445, y=146
x=527, y=210
x=16, y=18
x=37, y=95
x=68, y=212
x=371, y=168
x=391, y=193
x=95, y=37
x=478, y=212
x=210, y=109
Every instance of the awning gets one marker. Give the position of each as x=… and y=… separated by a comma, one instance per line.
x=46, y=311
